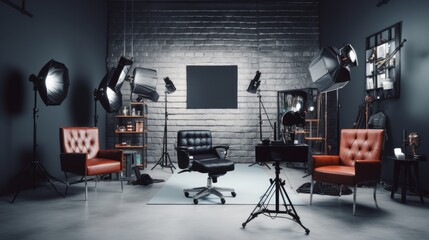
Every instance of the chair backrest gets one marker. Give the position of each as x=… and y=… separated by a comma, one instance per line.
x=360, y=144
x=79, y=140
x=199, y=141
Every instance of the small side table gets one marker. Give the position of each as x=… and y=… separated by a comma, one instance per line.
x=406, y=165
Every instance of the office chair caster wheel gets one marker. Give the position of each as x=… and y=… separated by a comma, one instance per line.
x=244, y=225
x=195, y=201
x=222, y=200
x=186, y=194
x=233, y=194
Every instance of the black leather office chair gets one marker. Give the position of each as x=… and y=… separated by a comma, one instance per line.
x=195, y=153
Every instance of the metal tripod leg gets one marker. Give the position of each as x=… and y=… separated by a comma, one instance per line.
x=163, y=162
x=36, y=164
x=260, y=164
x=276, y=189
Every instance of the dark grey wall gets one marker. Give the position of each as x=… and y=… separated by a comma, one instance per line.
x=71, y=32
x=351, y=22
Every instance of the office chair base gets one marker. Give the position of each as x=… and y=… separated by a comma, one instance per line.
x=202, y=192
x=205, y=191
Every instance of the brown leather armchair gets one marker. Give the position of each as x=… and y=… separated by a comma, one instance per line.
x=80, y=154
x=359, y=161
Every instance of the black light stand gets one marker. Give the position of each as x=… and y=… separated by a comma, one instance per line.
x=35, y=164
x=165, y=160
x=277, y=188
x=261, y=106
x=95, y=108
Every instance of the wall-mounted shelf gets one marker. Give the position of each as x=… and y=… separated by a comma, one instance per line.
x=383, y=63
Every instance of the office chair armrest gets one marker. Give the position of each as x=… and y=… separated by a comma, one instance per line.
x=183, y=159
x=224, y=147
x=367, y=170
x=73, y=162
x=111, y=154
x=183, y=148
x=325, y=160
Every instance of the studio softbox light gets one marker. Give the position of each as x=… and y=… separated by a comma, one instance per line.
x=52, y=82
x=144, y=83
x=330, y=68
x=120, y=74
x=109, y=99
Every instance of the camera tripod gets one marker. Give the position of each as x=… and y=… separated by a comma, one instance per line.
x=277, y=188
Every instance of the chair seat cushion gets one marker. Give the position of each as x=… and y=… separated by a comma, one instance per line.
x=213, y=166
x=335, y=174
x=97, y=166
x=205, y=156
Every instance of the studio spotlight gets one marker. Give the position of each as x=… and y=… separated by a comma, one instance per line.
x=144, y=84
x=254, y=88
x=254, y=83
x=169, y=86
x=330, y=68
x=120, y=74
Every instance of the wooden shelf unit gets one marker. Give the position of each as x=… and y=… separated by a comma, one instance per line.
x=133, y=136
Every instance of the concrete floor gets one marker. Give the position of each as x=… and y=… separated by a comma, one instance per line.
x=109, y=214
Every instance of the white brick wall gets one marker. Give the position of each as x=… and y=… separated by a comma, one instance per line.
x=277, y=39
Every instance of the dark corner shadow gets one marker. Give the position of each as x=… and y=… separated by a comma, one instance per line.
x=81, y=102
x=13, y=88
x=23, y=178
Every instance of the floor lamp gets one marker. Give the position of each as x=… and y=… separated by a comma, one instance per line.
x=165, y=160
x=254, y=88
x=52, y=83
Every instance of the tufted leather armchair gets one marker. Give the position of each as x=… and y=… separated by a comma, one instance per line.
x=359, y=161
x=196, y=153
x=80, y=154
